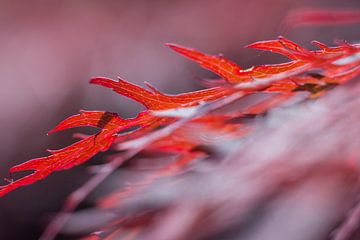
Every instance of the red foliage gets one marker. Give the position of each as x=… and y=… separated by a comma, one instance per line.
x=311, y=17
x=335, y=64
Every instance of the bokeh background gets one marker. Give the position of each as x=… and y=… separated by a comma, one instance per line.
x=50, y=49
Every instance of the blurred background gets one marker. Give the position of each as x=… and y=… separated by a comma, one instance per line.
x=50, y=49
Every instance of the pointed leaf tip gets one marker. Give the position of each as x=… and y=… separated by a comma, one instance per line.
x=103, y=81
x=221, y=66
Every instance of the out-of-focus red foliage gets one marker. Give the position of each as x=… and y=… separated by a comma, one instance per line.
x=311, y=17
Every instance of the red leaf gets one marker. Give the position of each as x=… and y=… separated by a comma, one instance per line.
x=233, y=74
x=155, y=100
x=284, y=47
x=76, y=153
x=103, y=120
x=217, y=64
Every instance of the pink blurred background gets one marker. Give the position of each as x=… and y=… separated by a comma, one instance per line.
x=50, y=49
